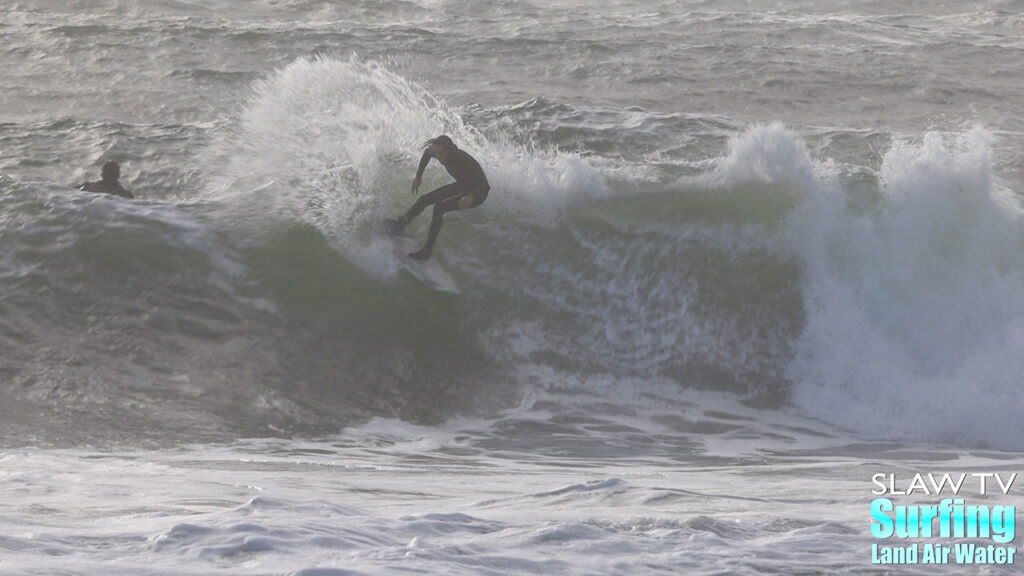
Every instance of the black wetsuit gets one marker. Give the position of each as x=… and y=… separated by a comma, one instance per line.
x=107, y=187
x=469, y=179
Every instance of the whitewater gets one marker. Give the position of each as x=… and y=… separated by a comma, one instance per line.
x=738, y=260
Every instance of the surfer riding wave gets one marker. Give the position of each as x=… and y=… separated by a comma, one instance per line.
x=468, y=191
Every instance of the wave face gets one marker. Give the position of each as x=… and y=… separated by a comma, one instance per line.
x=879, y=293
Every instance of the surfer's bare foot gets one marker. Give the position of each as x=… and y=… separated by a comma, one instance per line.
x=420, y=255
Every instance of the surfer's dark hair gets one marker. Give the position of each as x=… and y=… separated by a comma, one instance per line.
x=111, y=171
x=443, y=140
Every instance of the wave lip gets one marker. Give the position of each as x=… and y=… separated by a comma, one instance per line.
x=914, y=315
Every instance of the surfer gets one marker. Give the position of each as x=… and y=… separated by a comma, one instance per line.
x=108, y=183
x=468, y=191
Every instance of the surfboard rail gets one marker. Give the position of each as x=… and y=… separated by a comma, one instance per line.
x=429, y=272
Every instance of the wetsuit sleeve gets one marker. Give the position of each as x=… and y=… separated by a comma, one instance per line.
x=427, y=155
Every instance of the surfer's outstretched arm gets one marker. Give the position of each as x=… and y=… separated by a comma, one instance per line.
x=424, y=160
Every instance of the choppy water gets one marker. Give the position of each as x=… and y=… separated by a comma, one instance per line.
x=736, y=259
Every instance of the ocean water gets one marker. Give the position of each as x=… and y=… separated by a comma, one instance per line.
x=739, y=258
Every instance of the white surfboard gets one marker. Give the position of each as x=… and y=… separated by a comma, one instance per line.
x=427, y=271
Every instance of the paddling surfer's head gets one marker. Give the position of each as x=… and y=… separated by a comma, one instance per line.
x=110, y=172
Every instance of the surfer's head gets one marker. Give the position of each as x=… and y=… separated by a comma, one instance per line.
x=111, y=171
x=441, y=146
